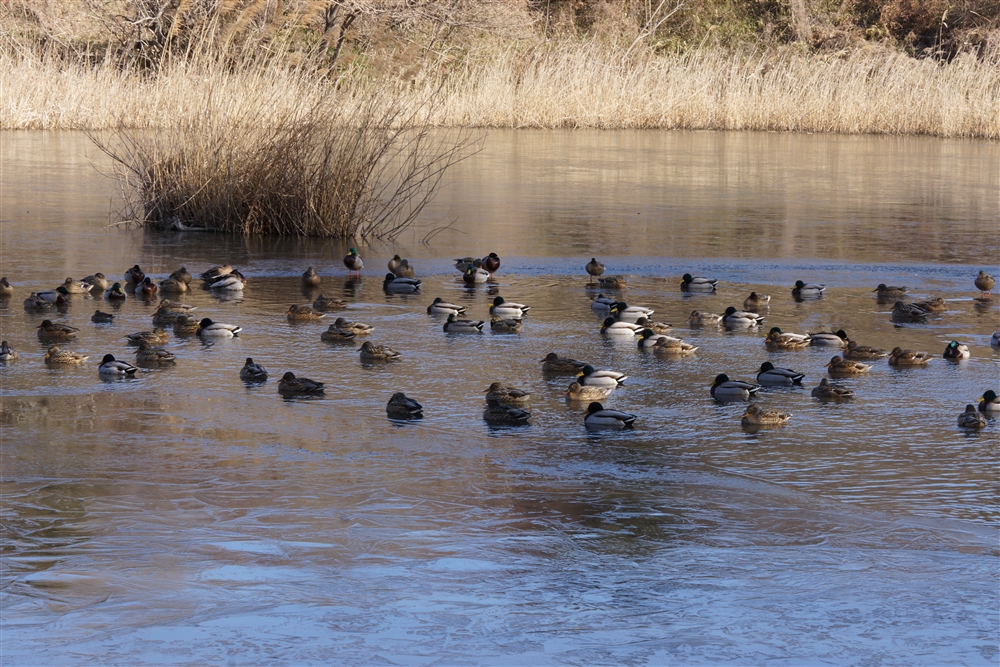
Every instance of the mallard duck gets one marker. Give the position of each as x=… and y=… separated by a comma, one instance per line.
x=400, y=406
x=394, y=263
x=398, y=285
x=58, y=295
x=691, y=283
x=155, y=337
x=7, y=353
x=134, y=276
x=883, y=291
x=657, y=327
x=498, y=414
x=36, y=303
x=773, y=376
x=55, y=356
x=5, y=287
x=96, y=281
x=970, y=418
x=626, y=313
x=612, y=328
x=76, y=287
x=612, y=282
x=378, y=352
x=907, y=312
x=462, y=265
x=52, y=331
x=404, y=270
x=937, y=305
x=756, y=301
x=754, y=416
x=455, y=325
x=441, y=307
x=502, y=308
x=353, y=262
x=829, y=338
x=985, y=283
x=289, y=385
x=507, y=325
x=146, y=288
x=599, y=417
x=589, y=377
x=168, y=312
x=989, y=402
x=311, y=279
x=328, y=303
x=839, y=366
x=111, y=367
x=234, y=281
x=252, y=371
x=475, y=276
x=779, y=340
x=186, y=325
x=594, y=269
x=115, y=293
x=956, y=352
x=147, y=355
x=298, y=313
x=831, y=392
x=209, y=329
x=356, y=328
x=602, y=303
x=578, y=392
x=182, y=275
x=673, y=346
x=553, y=363
x=507, y=395
x=741, y=319
x=216, y=272
x=173, y=285
x=995, y=339
x=861, y=352
x=901, y=357
x=724, y=389
x=337, y=335
x=491, y=263
x=803, y=290
x=699, y=318
x=647, y=338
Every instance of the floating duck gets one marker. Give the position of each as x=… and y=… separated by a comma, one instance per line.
x=397, y=285
x=216, y=272
x=5, y=287
x=901, y=357
x=741, y=319
x=985, y=283
x=134, y=276
x=773, y=376
x=402, y=407
x=839, y=366
x=971, y=419
x=594, y=269
x=404, y=270
x=858, y=352
x=937, y=305
x=52, y=331
x=754, y=416
x=491, y=263
x=328, y=303
x=455, y=325
x=394, y=263
x=57, y=296
x=603, y=303
x=463, y=264
x=505, y=325
x=115, y=293
x=907, y=312
x=475, y=276
x=612, y=328
x=147, y=355
x=647, y=338
x=626, y=313
x=589, y=377
x=691, y=283
x=77, y=287
x=995, y=339
x=182, y=275
x=657, y=327
x=7, y=353
x=756, y=301
x=699, y=318
x=378, y=352
x=111, y=367
x=55, y=356
x=298, y=313
x=234, y=281
x=252, y=371
x=168, y=312
x=503, y=308
x=780, y=340
x=829, y=338
x=831, y=392
x=289, y=385
x=173, y=285
x=507, y=395
x=155, y=337
x=147, y=287
x=353, y=262
x=989, y=402
x=673, y=346
x=578, y=392
x=724, y=389
x=96, y=281
x=498, y=414
x=356, y=328
x=956, y=352
x=803, y=290
x=441, y=307
x=553, y=363
x=599, y=417
x=888, y=292
x=186, y=325
x=209, y=329
x=612, y=282
x=311, y=279
x=337, y=335
x=36, y=303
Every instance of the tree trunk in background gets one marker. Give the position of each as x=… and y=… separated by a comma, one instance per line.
x=800, y=21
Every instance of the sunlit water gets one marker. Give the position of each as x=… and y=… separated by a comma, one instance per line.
x=184, y=517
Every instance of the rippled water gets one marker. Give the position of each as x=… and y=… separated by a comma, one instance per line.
x=184, y=517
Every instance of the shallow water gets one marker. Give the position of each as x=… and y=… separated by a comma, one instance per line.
x=184, y=517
